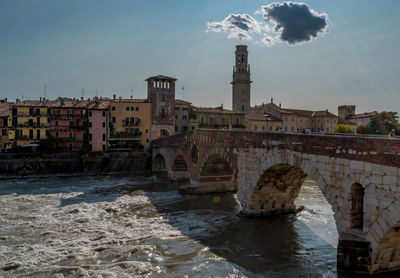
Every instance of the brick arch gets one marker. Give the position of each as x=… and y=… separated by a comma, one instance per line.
x=274, y=157
x=178, y=155
x=386, y=253
x=220, y=151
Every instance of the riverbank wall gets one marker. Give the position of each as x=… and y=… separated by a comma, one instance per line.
x=20, y=165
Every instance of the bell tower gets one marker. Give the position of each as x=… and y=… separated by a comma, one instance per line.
x=241, y=81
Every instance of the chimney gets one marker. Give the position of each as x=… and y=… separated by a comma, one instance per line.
x=120, y=99
x=280, y=105
x=40, y=101
x=114, y=97
x=222, y=105
x=17, y=101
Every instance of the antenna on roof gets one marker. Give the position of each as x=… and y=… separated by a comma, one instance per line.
x=131, y=92
x=83, y=93
x=96, y=91
x=183, y=92
x=45, y=90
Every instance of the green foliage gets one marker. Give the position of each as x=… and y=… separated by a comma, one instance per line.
x=342, y=128
x=381, y=123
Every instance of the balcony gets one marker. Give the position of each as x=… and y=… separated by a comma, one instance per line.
x=125, y=135
x=219, y=126
x=33, y=125
x=27, y=114
x=131, y=123
x=65, y=116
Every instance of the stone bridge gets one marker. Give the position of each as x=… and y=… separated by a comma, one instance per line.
x=359, y=177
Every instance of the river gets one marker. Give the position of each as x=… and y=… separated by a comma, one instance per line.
x=109, y=226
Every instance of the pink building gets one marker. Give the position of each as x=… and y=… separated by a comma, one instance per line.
x=98, y=117
x=68, y=123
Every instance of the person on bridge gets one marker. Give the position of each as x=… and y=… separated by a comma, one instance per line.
x=392, y=133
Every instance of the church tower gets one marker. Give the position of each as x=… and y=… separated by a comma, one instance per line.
x=241, y=81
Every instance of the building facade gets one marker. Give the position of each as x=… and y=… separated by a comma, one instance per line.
x=161, y=93
x=98, y=124
x=290, y=120
x=130, y=123
x=216, y=118
x=4, y=141
x=68, y=123
x=241, y=81
x=28, y=122
x=183, y=110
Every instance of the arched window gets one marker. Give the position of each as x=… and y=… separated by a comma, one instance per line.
x=357, y=206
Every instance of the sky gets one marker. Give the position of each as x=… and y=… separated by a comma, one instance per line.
x=308, y=55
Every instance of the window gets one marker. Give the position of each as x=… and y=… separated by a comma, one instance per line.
x=163, y=113
x=176, y=128
x=56, y=123
x=184, y=117
x=211, y=120
x=104, y=137
x=103, y=113
x=137, y=108
x=286, y=128
x=286, y=118
x=163, y=97
x=292, y=128
x=263, y=128
x=132, y=108
x=147, y=131
x=57, y=134
x=113, y=108
x=104, y=148
x=242, y=107
x=318, y=120
x=70, y=147
x=301, y=120
x=327, y=121
x=334, y=121
x=103, y=124
x=127, y=108
x=270, y=128
x=47, y=133
x=292, y=119
x=113, y=119
x=90, y=137
x=202, y=120
x=70, y=135
x=90, y=124
x=38, y=134
x=37, y=111
x=327, y=129
x=90, y=113
x=30, y=111
x=357, y=206
x=255, y=127
x=71, y=123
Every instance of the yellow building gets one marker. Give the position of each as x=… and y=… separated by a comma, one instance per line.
x=27, y=122
x=216, y=118
x=130, y=121
x=290, y=120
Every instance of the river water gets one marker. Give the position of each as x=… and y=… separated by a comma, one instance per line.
x=108, y=226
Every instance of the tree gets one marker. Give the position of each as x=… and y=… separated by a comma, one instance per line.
x=342, y=128
x=381, y=123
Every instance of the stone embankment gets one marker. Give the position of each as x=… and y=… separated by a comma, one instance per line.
x=61, y=164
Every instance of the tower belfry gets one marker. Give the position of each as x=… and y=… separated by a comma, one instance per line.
x=241, y=81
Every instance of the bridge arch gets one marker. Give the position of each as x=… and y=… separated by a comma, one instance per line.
x=216, y=171
x=159, y=163
x=275, y=181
